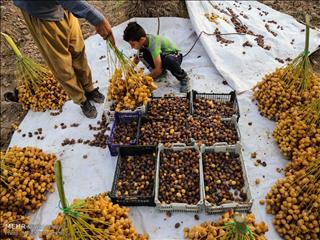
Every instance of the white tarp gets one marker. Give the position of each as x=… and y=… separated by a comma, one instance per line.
x=87, y=177
x=242, y=71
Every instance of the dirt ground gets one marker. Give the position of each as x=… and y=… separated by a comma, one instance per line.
x=13, y=24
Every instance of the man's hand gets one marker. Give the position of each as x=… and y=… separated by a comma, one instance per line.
x=105, y=31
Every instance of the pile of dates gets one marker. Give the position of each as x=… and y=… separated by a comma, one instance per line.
x=125, y=132
x=179, y=176
x=223, y=177
x=154, y=132
x=168, y=108
x=211, y=130
x=136, y=176
x=204, y=107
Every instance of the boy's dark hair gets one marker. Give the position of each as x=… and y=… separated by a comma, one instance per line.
x=133, y=32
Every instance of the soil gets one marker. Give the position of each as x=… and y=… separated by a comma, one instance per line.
x=298, y=9
x=116, y=12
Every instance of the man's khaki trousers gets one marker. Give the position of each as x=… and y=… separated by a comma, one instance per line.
x=62, y=46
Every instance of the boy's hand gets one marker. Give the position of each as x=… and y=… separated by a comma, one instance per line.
x=136, y=59
x=105, y=31
x=157, y=67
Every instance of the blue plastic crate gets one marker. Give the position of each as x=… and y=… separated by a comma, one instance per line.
x=123, y=118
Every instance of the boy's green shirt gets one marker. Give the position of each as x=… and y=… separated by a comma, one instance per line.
x=159, y=44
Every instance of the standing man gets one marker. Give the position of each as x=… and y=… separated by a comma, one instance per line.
x=57, y=33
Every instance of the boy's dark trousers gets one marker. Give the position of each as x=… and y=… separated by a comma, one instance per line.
x=171, y=62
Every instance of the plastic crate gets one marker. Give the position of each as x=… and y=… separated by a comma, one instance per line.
x=179, y=207
x=145, y=120
x=219, y=97
x=132, y=200
x=123, y=118
x=231, y=122
x=186, y=96
x=211, y=208
x=110, y=114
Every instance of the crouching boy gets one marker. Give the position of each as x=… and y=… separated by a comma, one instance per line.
x=157, y=53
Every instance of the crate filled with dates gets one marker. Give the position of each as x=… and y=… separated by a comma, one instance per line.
x=134, y=178
x=179, y=182
x=165, y=120
x=166, y=132
x=124, y=131
x=224, y=105
x=213, y=129
x=169, y=107
x=225, y=179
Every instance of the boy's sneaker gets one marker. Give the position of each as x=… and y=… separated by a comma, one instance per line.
x=88, y=109
x=95, y=96
x=185, y=85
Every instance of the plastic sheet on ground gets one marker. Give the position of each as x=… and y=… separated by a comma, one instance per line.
x=242, y=66
x=87, y=177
